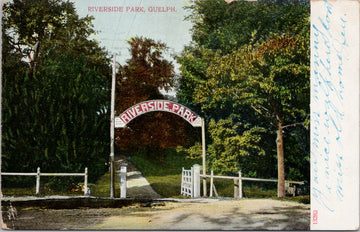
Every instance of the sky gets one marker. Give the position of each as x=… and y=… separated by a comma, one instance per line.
x=115, y=28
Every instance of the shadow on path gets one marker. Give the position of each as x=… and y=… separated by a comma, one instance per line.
x=137, y=185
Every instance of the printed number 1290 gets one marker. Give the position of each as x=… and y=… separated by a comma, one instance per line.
x=315, y=217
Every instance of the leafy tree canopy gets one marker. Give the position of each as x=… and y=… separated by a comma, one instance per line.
x=55, y=90
x=31, y=28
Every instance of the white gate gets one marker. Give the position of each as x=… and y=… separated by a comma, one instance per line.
x=190, y=181
x=186, y=182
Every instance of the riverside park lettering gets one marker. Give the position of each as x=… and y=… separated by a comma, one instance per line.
x=157, y=105
x=131, y=9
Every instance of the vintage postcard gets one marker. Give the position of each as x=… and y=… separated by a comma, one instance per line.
x=180, y=115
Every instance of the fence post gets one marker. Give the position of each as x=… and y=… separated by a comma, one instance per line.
x=192, y=181
x=211, y=183
x=236, y=188
x=196, y=180
x=86, y=190
x=123, y=185
x=37, y=192
x=240, y=185
x=182, y=182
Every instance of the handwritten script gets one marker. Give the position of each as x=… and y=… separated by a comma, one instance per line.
x=330, y=51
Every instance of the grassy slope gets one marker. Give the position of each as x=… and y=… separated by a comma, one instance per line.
x=164, y=176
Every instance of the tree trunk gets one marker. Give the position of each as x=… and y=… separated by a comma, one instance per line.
x=34, y=59
x=280, y=155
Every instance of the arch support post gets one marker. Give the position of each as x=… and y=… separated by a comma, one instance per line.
x=203, y=155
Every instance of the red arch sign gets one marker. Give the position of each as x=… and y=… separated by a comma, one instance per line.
x=157, y=105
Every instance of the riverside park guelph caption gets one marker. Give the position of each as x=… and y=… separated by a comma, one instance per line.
x=110, y=9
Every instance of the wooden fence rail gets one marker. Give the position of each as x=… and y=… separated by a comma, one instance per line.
x=238, y=183
x=38, y=174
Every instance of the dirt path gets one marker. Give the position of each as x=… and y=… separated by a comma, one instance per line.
x=218, y=215
x=206, y=214
x=137, y=185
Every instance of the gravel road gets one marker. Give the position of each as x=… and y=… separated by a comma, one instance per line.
x=201, y=214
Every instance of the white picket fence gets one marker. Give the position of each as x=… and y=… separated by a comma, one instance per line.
x=38, y=174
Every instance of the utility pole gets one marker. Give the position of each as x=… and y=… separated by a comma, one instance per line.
x=112, y=131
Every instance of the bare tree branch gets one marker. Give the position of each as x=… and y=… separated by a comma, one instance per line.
x=294, y=124
x=264, y=116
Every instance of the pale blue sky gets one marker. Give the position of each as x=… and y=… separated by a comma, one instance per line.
x=115, y=28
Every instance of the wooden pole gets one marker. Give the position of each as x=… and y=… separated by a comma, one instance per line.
x=37, y=192
x=112, y=133
x=203, y=155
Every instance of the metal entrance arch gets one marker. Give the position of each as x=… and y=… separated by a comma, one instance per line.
x=171, y=107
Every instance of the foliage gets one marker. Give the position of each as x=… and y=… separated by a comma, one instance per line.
x=194, y=152
x=144, y=73
x=55, y=90
x=225, y=27
x=230, y=141
x=31, y=28
x=194, y=62
x=234, y=26
x=248, y=70
x=57, y=124
x=141, y=79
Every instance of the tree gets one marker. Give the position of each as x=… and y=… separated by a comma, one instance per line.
x=249, y=68
x=55, y=91
x=271, y=78
x=56, y=119
x=31, y=28
x=144, y=74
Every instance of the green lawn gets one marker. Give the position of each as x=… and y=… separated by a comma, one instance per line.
x=102, y=186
